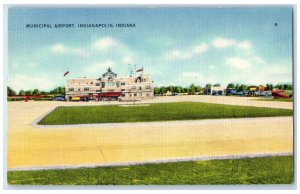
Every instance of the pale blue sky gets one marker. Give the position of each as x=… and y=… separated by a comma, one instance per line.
x=177, y=46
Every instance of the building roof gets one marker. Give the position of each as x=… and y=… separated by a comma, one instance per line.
x=109, y=74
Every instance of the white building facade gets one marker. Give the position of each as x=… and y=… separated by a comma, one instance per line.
x=126, y=88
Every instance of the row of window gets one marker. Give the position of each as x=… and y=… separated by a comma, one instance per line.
x=111, y=84
x=102, y=84
x=140, y=87
x=123, y=90
x=136, y=94
x=84, y=89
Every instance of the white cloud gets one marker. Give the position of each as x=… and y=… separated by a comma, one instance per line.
x=112, y=48
x=191, y=77
x=156, y=72
x=105, y=43
x=258, y=59
x=17, y=65
x=262, y=74
x=200, y=48
x=179, y=54
x=244, y=45
x=221, y=43
x=127, y=60
x=176, y=54
x=62, y=49
x=238, y=63
x=80, y=52
x=18, y=82
x=96, y=68
x=58, y=48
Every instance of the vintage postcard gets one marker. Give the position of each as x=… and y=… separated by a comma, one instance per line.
x=150, y=95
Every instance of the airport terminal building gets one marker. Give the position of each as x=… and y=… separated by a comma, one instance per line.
x=111, y=86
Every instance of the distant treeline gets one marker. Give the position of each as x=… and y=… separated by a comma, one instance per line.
x=193, y=89
x=56, y=91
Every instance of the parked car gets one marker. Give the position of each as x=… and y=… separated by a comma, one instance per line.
x=230, y=92
x=241, y=93
x=75, y=98
x=266, y=93
x=59, y=98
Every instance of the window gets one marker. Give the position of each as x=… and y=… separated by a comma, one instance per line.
x=135, y=94
x=110, y=84
x=140, y=87
x=133, y=87
x=103, y=84
x=147, y=94
x=145, y=80
x=148, y=87
x=111, y=90
x=123, y=90
x=71, y=89
x=97, y=90
x=123, y=95
x=86, y=89
x=122, y=83
x=97, y=84
x=118, y=84
x=78, y=89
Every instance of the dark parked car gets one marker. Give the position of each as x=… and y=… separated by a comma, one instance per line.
x=231, y=92
x=59, y=98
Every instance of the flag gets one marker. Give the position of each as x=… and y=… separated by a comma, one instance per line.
x=66, y=73
x=139, y=70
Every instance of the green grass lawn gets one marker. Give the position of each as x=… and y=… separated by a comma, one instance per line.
x=155, y=112
x=268, y=170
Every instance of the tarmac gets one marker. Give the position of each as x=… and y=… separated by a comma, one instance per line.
x=30, y=146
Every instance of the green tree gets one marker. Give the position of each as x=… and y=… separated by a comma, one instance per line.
x=192, y=89
x=36, y=92
x=178, y=89
x=163, y=90
x=171, y=88
x=237, y=86
x=279, y=86
x=287, y=87
x=242, y=87
x=156, y=90
x=208, y=86
x=29, y=92
x=217, y=85
x=45, y=93
x=185, y=90
x=198, y=88
x=10, y=91
x=21, y=93
x=60, y=90
x=231, y=85
x=269, y=87
x=56, y=91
